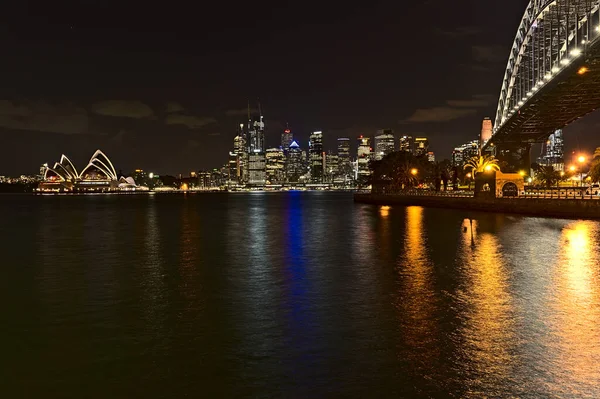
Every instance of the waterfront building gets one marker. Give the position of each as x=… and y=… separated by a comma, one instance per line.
x=406, y=144
x=241, y=151
x=98, y=175
x=384, y=143
x=421, y=146
x=363, y=157
x=553, y=151
x=233, y=169
x=295, y=168
x=344, y=161
x=315, y=149
x=275, y=165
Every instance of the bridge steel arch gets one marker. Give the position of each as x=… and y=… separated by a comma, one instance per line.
x=554, y=37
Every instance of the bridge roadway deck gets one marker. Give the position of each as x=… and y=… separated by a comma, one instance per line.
x=568, y=96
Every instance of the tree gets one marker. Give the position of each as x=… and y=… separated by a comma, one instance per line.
x=398, y=171
x=482, y=163
x=594, y=173
x=547, y=177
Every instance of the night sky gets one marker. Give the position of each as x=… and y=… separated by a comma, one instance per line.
x=163, y=85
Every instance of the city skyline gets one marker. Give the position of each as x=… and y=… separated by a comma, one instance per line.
x=169, y=96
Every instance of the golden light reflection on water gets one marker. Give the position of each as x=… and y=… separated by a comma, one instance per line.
x=576, y=327
x=416, y=301
x=384, y=211
x=488, y=331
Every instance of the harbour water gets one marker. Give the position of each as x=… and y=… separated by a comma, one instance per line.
x=296, y=295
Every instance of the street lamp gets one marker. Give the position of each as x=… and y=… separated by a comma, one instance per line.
x=469, y=177
x=581, y=160
x=414, y=172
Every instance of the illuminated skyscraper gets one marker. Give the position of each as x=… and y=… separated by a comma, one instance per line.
x=384, y=143
x=421, y=146
x=553, y=151
x=486, y=131
x=315, y=151
x=256, y=152
x=286, y=139
x=406, y=144
x=363, y=157
x=431, y=156
x=275, y=165
x=294, y=163
x=344, y=161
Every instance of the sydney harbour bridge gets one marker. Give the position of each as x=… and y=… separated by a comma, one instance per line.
x=552, y=77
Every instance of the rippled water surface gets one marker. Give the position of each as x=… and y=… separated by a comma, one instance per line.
x=296, y=295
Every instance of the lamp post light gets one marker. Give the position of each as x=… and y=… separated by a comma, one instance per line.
x=581, y=160
x=469, y=175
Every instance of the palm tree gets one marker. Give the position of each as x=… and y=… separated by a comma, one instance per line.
x=547, y=176
x=482, y=163
x=594, y=172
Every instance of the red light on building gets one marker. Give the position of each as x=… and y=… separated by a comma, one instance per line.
x=287, y=131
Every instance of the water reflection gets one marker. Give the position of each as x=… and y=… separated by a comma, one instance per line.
x=487, y=335
x=576, y=325
x=416, y=302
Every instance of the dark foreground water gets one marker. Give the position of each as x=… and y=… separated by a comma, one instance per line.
x=295, y=295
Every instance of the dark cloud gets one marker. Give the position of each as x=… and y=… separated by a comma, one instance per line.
x=65, y=118
x=452, y=110
x=460, y=32
x=490, y=54
x=440, y=114
x=125, y=109
x=173, y=107
x=192, y=122
x=478, y=101
x=240, y=112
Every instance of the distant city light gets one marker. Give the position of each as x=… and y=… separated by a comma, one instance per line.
x=583, y=70
x=576, y=52
x=151, y=175
x=414, y=172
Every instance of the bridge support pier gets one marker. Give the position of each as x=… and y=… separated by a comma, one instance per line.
x=514, y=157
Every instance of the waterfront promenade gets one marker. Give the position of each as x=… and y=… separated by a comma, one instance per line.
x=574, y=208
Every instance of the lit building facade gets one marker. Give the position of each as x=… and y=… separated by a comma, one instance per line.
x=431, y=156
x=257, y=174
x=463, y=153
x=405, y=144
x=332, y=169
x=553, y=152
x=294, y=163
x=344, y=162
x=486, y=131
x=286, y=139
x=363, y=157
x=384, y=143
x=315, y=153
x=275, y=166
x=421, y=146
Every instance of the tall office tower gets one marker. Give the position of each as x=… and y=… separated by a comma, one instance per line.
x=275, y=165
x=295, y=163
x=315, y=151
x=256, y=152
x=233, y=177
x=363, y=157
x=462, y=154
x=431, y=157
x=406, y=144
x=332, y=167
x=486, y=131
x=286, y=139
x=384, y=143
x=344, y=162
x=421, y=146
x=458, y=158
x=239, y=149
x=43, y=169
x=553, y=151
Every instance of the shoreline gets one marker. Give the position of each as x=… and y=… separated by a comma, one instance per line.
x=550, y=208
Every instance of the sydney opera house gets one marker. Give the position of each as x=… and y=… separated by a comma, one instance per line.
x=99, y=175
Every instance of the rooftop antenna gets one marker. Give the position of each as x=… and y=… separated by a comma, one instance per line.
x=259, y=108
